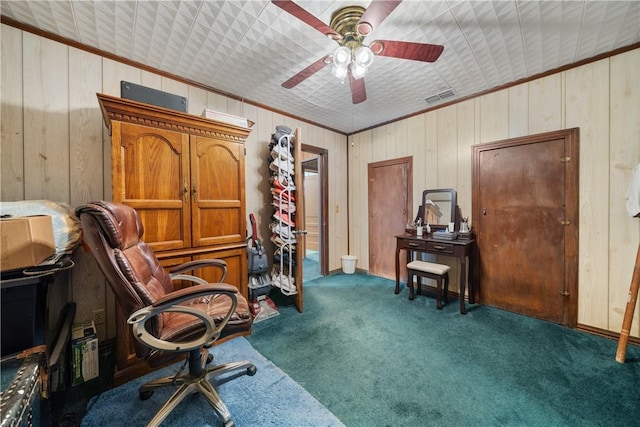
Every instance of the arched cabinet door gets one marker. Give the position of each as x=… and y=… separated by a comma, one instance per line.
x=218, y=195
x=150, y=172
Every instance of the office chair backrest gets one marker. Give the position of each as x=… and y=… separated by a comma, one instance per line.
x=113, y=232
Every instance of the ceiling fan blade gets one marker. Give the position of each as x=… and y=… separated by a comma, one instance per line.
x=307, y=72
x=358, y=90
x=298, y=12
x=377, y=12
x=407, y=50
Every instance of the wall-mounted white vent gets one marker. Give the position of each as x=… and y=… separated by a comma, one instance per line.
x=439, y=97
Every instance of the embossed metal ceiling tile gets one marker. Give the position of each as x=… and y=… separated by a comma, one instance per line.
x=231, y=21
x=468, y=65
x=113, y=25
x=598, y=36
x=481, y=21
x=63, y=21
x=247, y=72
x=201, y=47
x=217, y=58
x=36, y=14
x=489, y=68
x=260, y=53
x=414, y=14
x=85, y=19
x=20, y=11
x=630, y=24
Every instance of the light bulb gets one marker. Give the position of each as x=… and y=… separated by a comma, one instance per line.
x=339, y=72
x=342, y=57
x=358, y=71
x=363, y=56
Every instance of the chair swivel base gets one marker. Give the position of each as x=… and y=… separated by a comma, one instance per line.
x=193, y=382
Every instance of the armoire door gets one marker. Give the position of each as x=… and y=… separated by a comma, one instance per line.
x=217, y=190
x=150, y=173
x=525, y=213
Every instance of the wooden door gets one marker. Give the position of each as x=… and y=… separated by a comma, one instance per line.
x=525, y=213
x=390, y=199
x=217, y=192
x=150, y=173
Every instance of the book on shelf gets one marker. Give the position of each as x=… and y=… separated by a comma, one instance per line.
x=227, y=118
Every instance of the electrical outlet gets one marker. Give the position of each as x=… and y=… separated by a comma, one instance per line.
x=99, y=317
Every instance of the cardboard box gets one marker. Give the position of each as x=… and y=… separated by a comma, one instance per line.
x=84, y=353
x=26, y=241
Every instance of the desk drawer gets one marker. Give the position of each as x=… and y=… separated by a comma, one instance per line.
x=412, y=245
x=445, y=248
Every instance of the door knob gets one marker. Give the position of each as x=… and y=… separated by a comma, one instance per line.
x=484, y=211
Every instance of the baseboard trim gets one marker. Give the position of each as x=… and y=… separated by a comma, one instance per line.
x=606, y=334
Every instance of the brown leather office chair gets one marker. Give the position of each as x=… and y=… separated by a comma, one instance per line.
x=166, y=320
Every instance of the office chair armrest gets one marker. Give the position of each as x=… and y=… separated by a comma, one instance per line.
x=189, y=278
x=171, y=303
x=200, y=263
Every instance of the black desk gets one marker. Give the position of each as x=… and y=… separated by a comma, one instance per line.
x=460, y=249
x=25, y=306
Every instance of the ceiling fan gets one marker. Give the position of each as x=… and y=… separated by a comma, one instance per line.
x=348, y=27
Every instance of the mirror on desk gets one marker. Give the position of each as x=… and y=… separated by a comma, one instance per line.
x=439, y=207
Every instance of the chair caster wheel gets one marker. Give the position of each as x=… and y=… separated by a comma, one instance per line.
x=209, y=358
x=144, y=395
x=251, y=371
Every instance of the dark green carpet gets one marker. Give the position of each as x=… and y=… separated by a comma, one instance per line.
x=311, y=266
x=374, y=358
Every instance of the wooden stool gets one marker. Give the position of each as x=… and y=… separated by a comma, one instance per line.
x=430, y=270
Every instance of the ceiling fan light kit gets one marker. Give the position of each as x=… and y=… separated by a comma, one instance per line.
x=363, y=58
x=348, y=27
x=341, y=61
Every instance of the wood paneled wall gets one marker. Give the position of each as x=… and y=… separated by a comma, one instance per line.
x=601, y=98
x=55, y=145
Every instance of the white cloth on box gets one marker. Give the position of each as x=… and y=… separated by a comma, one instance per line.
x=633, y=194
x=67, y=231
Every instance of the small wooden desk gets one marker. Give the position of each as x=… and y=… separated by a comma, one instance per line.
x=461, y=249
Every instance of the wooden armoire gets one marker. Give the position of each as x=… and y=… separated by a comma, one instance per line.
x=184, y=175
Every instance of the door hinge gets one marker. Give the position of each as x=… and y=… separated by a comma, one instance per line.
x=565, y=159
x=564, y=293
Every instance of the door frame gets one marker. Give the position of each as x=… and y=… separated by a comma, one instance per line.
x=323, y=224
x=572, y=180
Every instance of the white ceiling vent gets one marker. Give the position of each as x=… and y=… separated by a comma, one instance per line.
x=439, y=97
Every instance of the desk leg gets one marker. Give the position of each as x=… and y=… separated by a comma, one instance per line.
x=397, y=290
x=473, y=279
x=463, y=284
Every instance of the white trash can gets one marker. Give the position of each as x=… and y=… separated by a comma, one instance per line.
x=349, y=264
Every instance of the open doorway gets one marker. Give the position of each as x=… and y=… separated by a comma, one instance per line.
x=315, y=183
